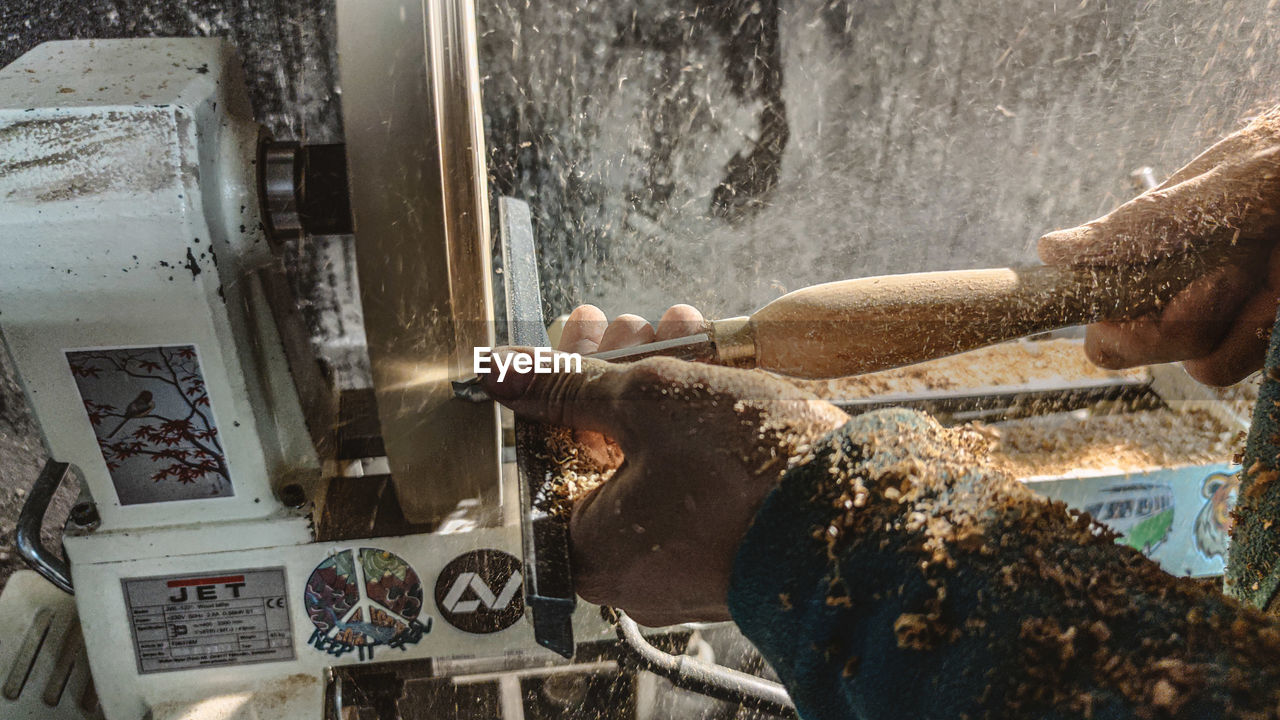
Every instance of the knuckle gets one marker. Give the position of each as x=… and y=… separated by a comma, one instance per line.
x=1185, y=338
x=642, y=376
x=1198, y=341
x=1108, y=359
x=633, y=389
x=603, y=572
x=593, y=587
x=562, y=394
x=1214, y=374
x=591, y=578
x=1104, y=354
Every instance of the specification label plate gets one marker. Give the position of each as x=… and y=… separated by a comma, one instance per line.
x=181, y=622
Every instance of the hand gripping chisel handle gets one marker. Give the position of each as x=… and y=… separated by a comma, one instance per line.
x=852, y=327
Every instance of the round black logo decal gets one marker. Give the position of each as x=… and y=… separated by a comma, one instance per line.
x=480, y=592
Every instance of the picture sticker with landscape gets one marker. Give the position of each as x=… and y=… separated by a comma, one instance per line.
x=150, y=411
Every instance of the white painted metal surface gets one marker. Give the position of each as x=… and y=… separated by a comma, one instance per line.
x=128, y=218
x=44, y=674
x=125, y=693
x=125, y=167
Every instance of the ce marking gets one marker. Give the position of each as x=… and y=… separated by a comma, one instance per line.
x=276, y=603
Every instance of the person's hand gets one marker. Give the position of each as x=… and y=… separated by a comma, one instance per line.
x=703, y=447
x=587, y=330
x=1220, y=324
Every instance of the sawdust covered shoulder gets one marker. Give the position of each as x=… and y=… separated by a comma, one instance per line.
x=1074, y=621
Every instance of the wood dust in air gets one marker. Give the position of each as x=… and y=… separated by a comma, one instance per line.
x=1059, y=444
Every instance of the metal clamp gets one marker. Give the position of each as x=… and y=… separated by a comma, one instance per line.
x=37, y=556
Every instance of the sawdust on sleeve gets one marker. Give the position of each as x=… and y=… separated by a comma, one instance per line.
x=1079, y=617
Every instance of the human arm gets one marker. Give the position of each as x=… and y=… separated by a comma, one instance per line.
x=960, y=590
x=1220, y=324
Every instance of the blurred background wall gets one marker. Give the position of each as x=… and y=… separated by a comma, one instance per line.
x=722, y=152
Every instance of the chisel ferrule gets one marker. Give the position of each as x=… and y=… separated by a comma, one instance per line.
x=735, y=341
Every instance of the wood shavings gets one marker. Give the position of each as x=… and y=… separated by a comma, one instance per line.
x=1060, y=444
x=1066, y=444
x=1077, y=599
x=574, y=475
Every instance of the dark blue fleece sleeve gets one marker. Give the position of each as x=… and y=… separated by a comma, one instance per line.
x=896, y=575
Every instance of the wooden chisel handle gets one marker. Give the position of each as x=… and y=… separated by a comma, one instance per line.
x=858, y=326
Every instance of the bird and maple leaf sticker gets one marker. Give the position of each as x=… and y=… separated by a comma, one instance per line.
x=150, y=412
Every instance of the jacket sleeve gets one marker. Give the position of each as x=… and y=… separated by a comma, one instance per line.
x=897, y=573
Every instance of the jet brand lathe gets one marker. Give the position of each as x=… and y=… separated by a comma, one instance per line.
x=249, y=539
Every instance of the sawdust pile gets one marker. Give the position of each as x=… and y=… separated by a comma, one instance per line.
x=1060, y=444
x=1083, y=443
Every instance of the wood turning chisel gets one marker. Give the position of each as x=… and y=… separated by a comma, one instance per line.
x=851, y=327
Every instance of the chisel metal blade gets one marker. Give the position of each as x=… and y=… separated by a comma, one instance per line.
x=699, y=348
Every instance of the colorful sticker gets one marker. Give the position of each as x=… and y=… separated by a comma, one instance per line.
x=150, y=412
x=1141, y=512
x=359, y=599
x=1213, y=522
x=479, y=592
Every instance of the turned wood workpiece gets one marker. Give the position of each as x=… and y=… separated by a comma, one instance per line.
x=852, y=327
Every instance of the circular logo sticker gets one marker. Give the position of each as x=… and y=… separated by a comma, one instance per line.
x=359, y=599
x=479, y=592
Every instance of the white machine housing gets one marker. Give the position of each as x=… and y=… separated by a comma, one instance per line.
x=129, y=219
